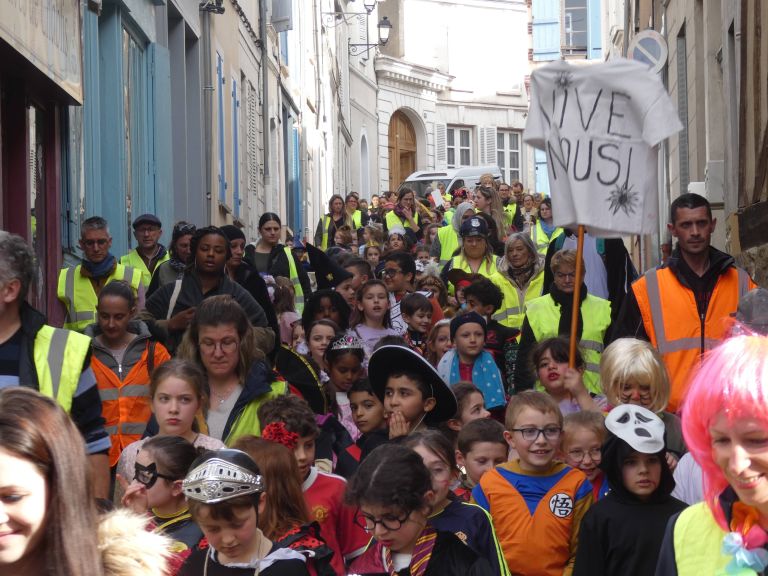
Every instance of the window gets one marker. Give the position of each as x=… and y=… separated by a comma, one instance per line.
x=575, y=27
x=222, y=177
x=458, y=146
x=508, y=155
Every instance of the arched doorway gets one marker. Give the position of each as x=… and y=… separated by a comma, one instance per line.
x=402, y=149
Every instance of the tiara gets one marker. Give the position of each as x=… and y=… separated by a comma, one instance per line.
x=346, y=342
x=217, y=480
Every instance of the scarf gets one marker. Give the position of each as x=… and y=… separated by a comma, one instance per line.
x=422, y=553
x=485, y=375
x=548, y=228
x=745, y=542
x=521, y=276
x=177, y=265
x=99, y=269
x=566, y=309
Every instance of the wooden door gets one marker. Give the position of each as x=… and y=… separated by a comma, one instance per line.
x=402, y=149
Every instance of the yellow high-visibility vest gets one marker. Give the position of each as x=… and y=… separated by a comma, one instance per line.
x=540, y=238
x=59, y=357
x=79, y=298
x=512, y=311
x=135, y=261
x=297, y=289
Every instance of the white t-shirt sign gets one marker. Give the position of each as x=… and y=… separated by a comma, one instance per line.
x=600, y=126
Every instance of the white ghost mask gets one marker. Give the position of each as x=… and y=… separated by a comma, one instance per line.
x=637, y=426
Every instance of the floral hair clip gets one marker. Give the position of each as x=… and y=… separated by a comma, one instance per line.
x=346, y=342
x=277, y=432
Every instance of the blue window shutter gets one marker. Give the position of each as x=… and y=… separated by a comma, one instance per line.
x=222, y=170
x=546, y=29
x=235, y=151
x=594, y=49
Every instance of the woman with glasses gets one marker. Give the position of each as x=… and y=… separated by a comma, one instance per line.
x=550, y=315
x=521, y=269
x=220, y=340
x=394, y=495
x=171, y=308
x=181, y=256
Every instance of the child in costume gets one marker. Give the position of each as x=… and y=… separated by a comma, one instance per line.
x=581, y=447
x=344, y=364
x=450, y=514
x=225, y=491
x=416, y=310
x=536, y=502
x=468, y=361
x=371, y=320
x=632, y=372
x=411, y=390
x=323, y=492
x=622, y=533
x=368, y=414
x=471, y=407
x=393, y=494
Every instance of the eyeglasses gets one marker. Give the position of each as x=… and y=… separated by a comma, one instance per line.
x=94, y=242
x=185, y=229
x=147, y=229
x=565, y=275
x=148, y=475
x=578, y=455
x=532, y=434
x=391, y=272
x=226, y=346
x=368, y=523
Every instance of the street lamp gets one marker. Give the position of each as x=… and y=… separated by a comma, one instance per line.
x=384, y=27
x=369, y=5
x=330, y=18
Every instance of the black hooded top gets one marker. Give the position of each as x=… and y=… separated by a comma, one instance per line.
x=622, y=534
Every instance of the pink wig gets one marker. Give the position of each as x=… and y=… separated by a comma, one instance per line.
x=732, y=378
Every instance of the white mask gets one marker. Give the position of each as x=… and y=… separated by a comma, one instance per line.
x=637, y=426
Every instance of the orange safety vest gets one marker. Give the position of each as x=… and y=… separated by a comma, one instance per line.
x=125, y=404
x=674, y=327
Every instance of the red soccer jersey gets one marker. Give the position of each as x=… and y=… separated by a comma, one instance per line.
x=324, y=495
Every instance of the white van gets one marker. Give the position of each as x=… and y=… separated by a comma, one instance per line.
x=453, y=178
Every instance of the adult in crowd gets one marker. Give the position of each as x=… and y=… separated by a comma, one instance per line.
x=724, y=425
x=511, y=208
x=54, y=361
x=518, y=191
x=521, y=271
x=550, y=315
x=170, y=310
x=49, y=522
x=240, y=270
x=609, y=270
x=404, y=214
x=220, y=340
x=475, y=255
x=149, y=253
x=488, y=202
x=78, y=287
x=335, y=218
x=181, y=255
x=271, y=257
x=446, y=243
x=529, y=213
x=352, y=206
x=399, y=275
x=681, y=306
x=124, y=356
x=544, y=231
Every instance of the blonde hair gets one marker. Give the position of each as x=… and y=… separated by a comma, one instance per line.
x=540, y=401
x=631, y=360
x=564, y=258
x=586, y=419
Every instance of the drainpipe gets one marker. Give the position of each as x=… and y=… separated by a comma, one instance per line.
x=205, y=22
x=264, y=88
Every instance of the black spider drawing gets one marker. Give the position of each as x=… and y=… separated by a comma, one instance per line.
x=564, y=80
x=624, y=198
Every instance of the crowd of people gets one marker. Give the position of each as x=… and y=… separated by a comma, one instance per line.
x=398, y=396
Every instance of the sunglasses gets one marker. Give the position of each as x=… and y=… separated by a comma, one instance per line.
x=148, y=475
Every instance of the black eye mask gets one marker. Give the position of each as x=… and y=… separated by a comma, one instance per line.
x=148, y=475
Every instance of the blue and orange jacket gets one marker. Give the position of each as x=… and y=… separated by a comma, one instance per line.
x=536, y=516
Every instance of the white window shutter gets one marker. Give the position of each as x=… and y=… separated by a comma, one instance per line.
x=487, y=145
x=282, y=15
x=441, y=154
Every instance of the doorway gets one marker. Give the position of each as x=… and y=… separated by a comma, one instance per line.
x=402, y=149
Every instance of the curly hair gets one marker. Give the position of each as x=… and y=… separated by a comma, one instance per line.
x=17, y=261
x=292, y=411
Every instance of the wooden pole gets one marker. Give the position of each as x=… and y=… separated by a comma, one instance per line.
x=576, y=298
